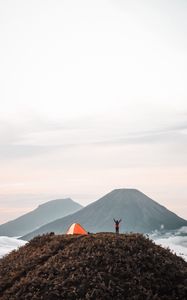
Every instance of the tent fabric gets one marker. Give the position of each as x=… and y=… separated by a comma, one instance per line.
x=76, y=229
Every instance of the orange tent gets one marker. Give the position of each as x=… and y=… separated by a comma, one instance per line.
x=76, y=228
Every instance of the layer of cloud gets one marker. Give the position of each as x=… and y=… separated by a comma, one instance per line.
x=8, y=244
x=176, y=241
x=36, y=137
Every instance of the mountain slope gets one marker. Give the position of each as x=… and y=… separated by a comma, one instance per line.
x=43, y=214
x=138, y=212
x=96, y=266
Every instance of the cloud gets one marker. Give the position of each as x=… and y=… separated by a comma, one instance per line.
x=170, y=134
x=8, y=244
x=175, y=240
x=39, y=136
x=177, y=244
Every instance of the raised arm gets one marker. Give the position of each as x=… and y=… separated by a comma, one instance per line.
x=120, y=221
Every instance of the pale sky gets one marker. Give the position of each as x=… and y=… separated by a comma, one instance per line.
x=93, y=97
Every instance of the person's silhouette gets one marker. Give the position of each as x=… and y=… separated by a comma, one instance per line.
x=117, y=222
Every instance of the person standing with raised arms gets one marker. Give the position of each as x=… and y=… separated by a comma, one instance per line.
x=117, y=222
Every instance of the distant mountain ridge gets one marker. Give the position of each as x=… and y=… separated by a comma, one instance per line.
x=40, y=216
x=138, y=212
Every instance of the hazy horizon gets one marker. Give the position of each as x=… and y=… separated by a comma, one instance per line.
x=93, y=98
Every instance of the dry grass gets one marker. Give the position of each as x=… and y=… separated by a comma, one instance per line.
x=98, y=266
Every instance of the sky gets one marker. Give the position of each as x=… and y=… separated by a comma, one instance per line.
x=93, y=97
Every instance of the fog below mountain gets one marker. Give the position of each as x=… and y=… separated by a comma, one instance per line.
x=8, y=244
x=175, y=240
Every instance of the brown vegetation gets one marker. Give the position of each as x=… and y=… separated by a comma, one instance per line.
x=98, y=266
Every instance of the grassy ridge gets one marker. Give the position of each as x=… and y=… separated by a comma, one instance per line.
x=100, y=266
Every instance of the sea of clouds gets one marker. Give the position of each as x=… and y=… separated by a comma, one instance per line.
x=7, y=244
x=176, y=240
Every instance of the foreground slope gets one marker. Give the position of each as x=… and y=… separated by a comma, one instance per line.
x=138, y=212
x=96, y=266
x=43, y=214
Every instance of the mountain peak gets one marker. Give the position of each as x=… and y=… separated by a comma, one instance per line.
x=43, y=214
x=56, y=202
x=138, y=212
x=125, y=190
